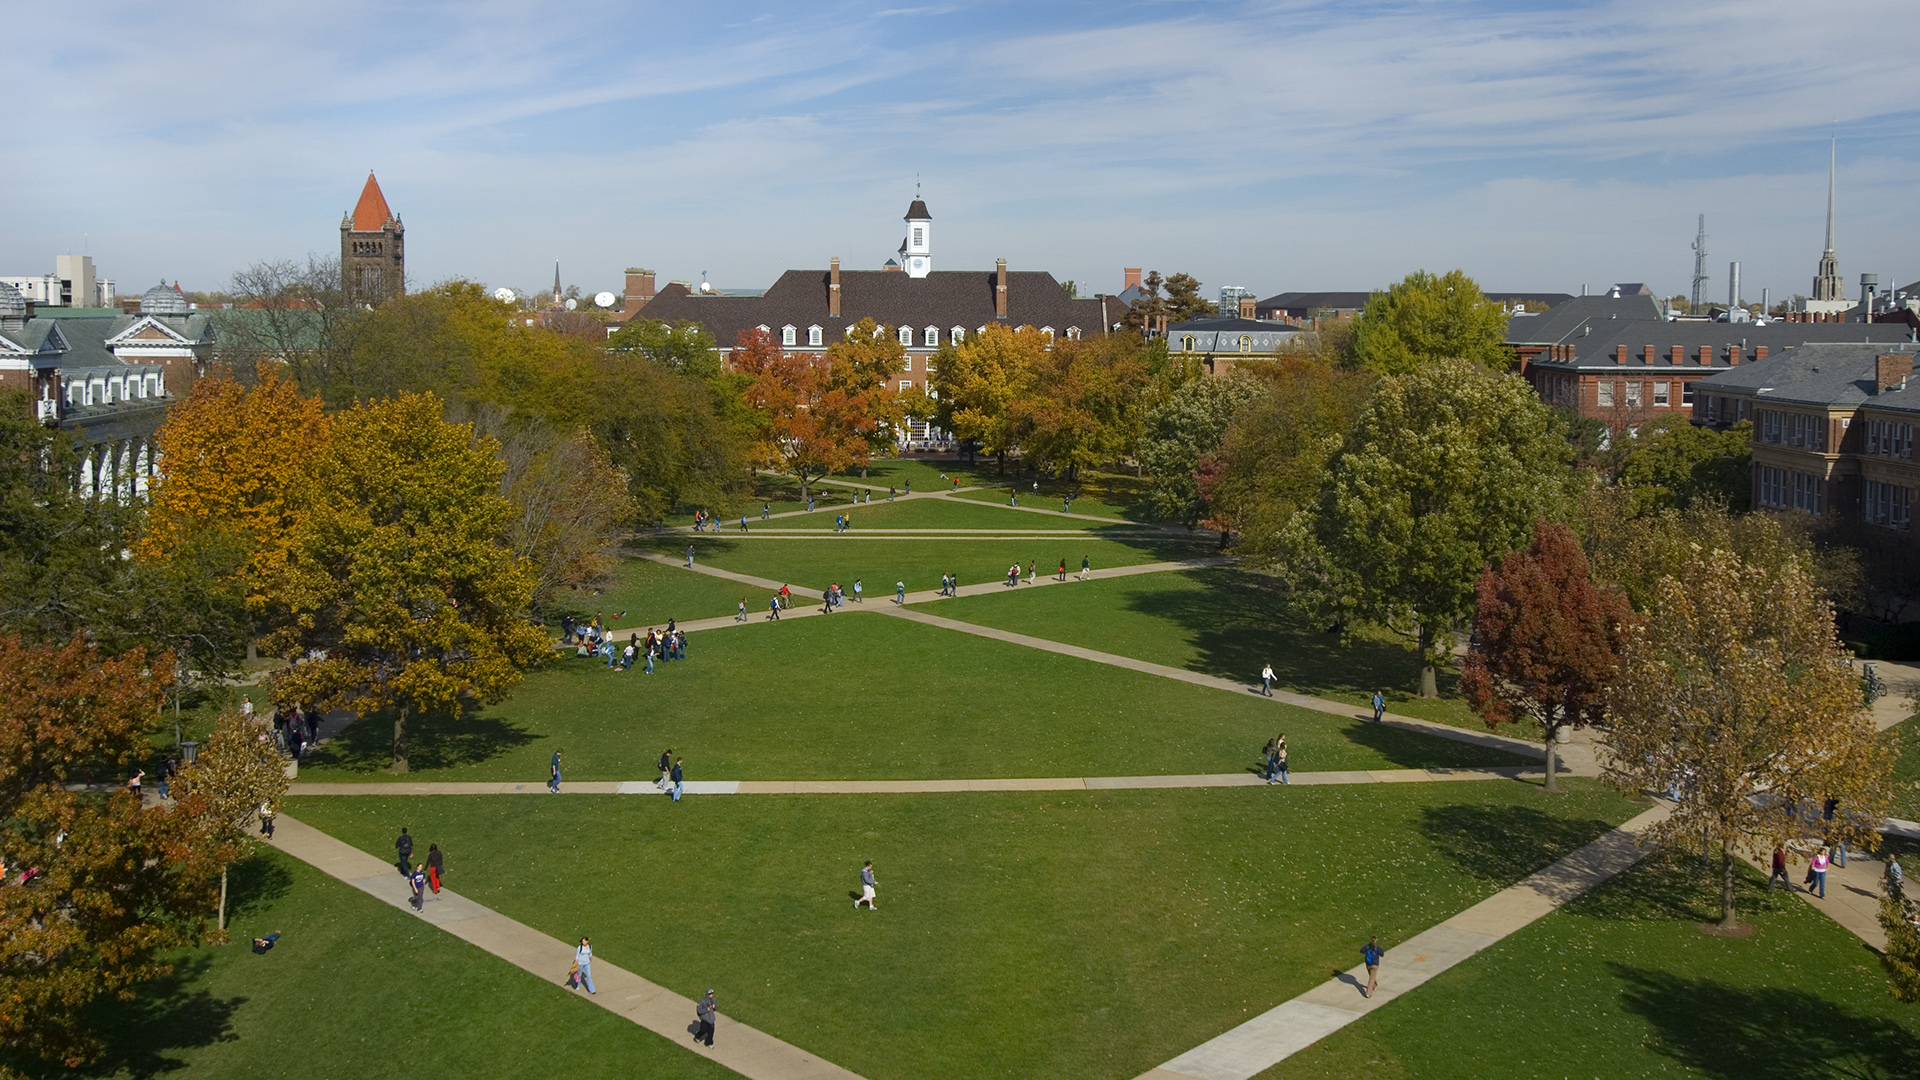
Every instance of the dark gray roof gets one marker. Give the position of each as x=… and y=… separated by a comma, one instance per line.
x=1597, y=350
x=1821, y=374
x=918, y=210
x=12, y=303
x=1303, y=302
x=943, y=299
x=1560, y=322
x=1232, y=322
x=1223, y=335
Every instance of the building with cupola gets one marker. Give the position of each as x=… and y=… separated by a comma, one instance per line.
x=106, y=379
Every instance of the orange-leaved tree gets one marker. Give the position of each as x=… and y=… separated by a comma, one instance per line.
x=862, y=366
x=808, y=427
x=1546, y=640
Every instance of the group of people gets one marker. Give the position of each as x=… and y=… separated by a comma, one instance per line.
x=1276, y=754
x=580, y=977
x=708, y=521
x=422, y=877
x=672, y=775
x=666, y=645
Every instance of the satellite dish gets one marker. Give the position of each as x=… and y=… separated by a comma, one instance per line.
x=572, y=303
x=503, y=294
x=604, y=299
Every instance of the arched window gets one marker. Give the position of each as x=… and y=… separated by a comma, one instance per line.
x=1047, y=332
x=786, y=335
x=1186, y=343
x=957, y=335
x=906, y=335
x=1246, y=342
x=1073, y=333
x=813, y=335
x=932, y=337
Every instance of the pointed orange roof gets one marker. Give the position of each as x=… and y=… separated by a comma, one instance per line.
x=370, y=214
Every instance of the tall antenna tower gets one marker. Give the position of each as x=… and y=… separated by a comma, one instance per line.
x=1699, y=263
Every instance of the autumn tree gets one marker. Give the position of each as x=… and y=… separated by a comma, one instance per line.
x=1183, y=431
x=1546, y=640
x=862, y=366
x=1270, y=465
x=1445, y=471
x=1674, y=462
x=807, y=428
x=1428, y=317
x=684, y=348
x=1085, y=403
x=291, y=314
x=398, y=587
x=569, y=502
x=1735, y=692
x=115, y=887
x=1901, y=957
x=238, y=773
x=983, y=382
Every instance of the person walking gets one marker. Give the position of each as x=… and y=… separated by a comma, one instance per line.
x=704, y=1012
x=583, y=959
x=899, y=592
x=404, y=845
x=1896, y=878
x=1819, y=870
x=266, y=820
x=1779, y=869
x=1379, y=705
x=741, y=616
x=773, y=609
x=1013, y=575
x=809, y=504
x=553, y=769
x=436, y=867
x=1281, y=764
x=1272, y=753
x=765, y=510
x=1371, y=954
x=909, y=485
x=679, y=779
x=167, y=769
x=1266, y=678
x=417, y=882
x=859, y=592
x=689, y=556
x=889, y=493
x=743, y=523
x=1061, y=574
x=1033, y=572
x=1086, y=567
x=786, y=595
x=134, y=782
x=826, y=601
x=866, y=887
x=666, y=769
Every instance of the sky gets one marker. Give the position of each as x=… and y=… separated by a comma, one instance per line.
x=1276, y=146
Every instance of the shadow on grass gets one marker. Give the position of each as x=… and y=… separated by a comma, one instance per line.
x=1670, y=884
x=433, y=742
x=1759, y=1034
x=165, y=1016
x=254, y=884
x=1503, y=844
x=1413, y=750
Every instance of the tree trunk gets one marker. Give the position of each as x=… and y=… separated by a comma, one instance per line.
x=863, y=472
x=399, y=741
x=1429, y=679
x=1727, y=879
x=1553, y=760
x=223, y=898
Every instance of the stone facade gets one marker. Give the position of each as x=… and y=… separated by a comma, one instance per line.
x=373, y=252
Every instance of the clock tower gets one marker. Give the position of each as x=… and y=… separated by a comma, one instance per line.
x=916, y=250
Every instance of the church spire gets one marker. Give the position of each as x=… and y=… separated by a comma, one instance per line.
x=1827, y=286
x=556, y=281
x=1832, y=161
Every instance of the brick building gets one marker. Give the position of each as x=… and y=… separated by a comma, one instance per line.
x=1833, y=427
x=373, y=249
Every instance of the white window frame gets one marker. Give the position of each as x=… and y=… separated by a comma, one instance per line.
x=1633, y=393
x=906, y=384
x=788, y=336
x=906, y=363
x=932, y=337
x=1662, y=395
x=906, y=335
x=957, y=335
x=815, y=336
x=1604, y=396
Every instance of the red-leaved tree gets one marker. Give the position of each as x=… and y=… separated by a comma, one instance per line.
x=809, y=425
x=1546, y=639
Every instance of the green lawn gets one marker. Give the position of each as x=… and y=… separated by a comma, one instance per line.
x=862, y=695
x=1101, y=494
x=356, y=988
x=1225, y=622
x=1623, y=983
x=651, y=594
x=917, y=513
x=814, y=561
x=1050, y=935
x=1906, y=771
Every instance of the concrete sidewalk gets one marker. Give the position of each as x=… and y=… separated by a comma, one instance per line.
x=743, y=1049
x=1290, y=1027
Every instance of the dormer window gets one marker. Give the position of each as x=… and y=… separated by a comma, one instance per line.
x=813, y=335
x=787, y=335
x=906, y=335
x=849, y=334
x=1186, y=343
x=1073, y=333
x=933, y=336
x=1047, y=332
x=957, y=335
x=1246, y=343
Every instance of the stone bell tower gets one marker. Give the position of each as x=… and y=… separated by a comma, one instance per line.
x=373, y=256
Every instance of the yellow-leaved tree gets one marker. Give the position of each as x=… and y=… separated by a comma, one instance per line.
x=238, y=773
x=399, y=590
x=1734, y=694
x=983, y=382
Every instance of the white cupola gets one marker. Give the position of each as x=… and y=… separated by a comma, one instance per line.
x=916, y=250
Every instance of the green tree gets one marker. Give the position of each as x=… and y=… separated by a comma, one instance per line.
x=1674, y=462
x=238, y=774
x=1901, y=958
x=1192, y=424
x=685, y=348
x=1184, y=302
x=1275, y=454
x=1425, y=318
x=1144, y=312
x=399, y=588
x=1735, y=692
x=1546, y=640
x=862, y=366
x=1445, y=471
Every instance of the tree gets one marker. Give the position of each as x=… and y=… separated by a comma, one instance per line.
x=1084, y=404
x=1901, y=957
x=292, y=314
x=118, y=886
x=1180, y=433
x=1546, y=640
x=570, y=505
x=685, y=348
x=982, y=382
x=1425, y=318
x=238, y=773
x=862, y=366
x=1445, y=471
x=1672, y=462
x=1144, y=312
x=398, y=587
x=1184, y=302
x=1735, y=693
x=809, y=428
x=680, y=439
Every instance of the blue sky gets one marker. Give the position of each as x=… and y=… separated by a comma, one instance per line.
x=1284, y=145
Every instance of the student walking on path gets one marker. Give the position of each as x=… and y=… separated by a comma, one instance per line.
x=704, y=1013
x=1013, y=575
x=1272, y=753
x=1371, y=954
x=417, y=881
x=1266, y=679
x=553, y=770
x=741, y=616
x=583, y=959
x=1061, y=574
x=436, y=867
x=679, y=779
x=1033, y=572
x=1819, y=871
x=666, y=770
x=1086, y=567
x=766, y=509
x=899, y=591
x=689, y=556
x=1281, y=763
x=859, y=592
x=404, y=845
x=1779, y=869
x=866, y=887
x=773, y=609
x=1379, y=705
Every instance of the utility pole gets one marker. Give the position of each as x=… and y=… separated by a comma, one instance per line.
x=1699, y=264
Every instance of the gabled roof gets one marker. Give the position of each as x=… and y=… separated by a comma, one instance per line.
x=1599, y=350
x=1822, y=374
x=370, y=214
x=1563, y=321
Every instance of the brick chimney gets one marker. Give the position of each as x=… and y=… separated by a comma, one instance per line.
x=1619, y=354
x=1132, y=275
x=1891, y=370
x=1247, y=307
x=1646, y=354
x=833, y=286
x=1759, y=352
x=1735, y=353
x=1706, y=356
x=999, y=288
x=1679, y=355
x=639, y=290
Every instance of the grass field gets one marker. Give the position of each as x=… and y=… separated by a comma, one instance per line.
x=917, y=513
x=358, y=988
x=651, y=594
x=861, y=695
x=1101, y=494
x=1622, y=983
x=1224, y=622
x=1906, y=772
x=1019, y=934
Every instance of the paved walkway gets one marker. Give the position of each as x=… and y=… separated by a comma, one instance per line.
x=888, y=787
x=1290, y=1027
x=743, y=1049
